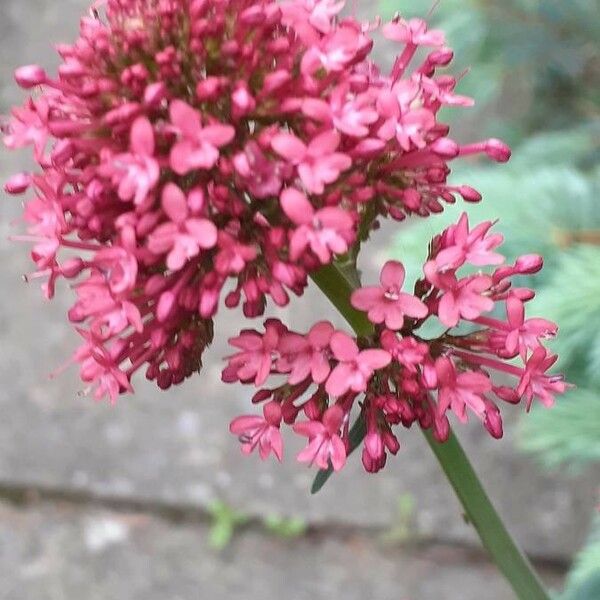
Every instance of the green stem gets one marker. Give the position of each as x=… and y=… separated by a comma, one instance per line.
x=337, y=284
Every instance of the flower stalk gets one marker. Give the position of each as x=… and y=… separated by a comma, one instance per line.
x=479, y=510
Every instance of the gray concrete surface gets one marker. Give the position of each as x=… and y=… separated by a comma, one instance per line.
x=66, y=552
x=175, y=448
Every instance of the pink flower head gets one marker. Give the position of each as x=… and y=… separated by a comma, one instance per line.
x=260, y=432
x=460, y=390
x=327, y=231
x=318, y=164
x=183, y=236
x=198, y=147
x=355, y=367
x=325, y=443
x=135, y=172
x=306, y=355
x=386, y=303
x=535, y=383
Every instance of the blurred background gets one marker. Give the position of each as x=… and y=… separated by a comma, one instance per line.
x=152, y=499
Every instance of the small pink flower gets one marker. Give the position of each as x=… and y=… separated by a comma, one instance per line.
x=335, y=51
x=318, y=163
x=460, y=390
x=199, y=146
x=306, y=355
x=407, y=351
x=29, y=125
x=327, y=231
x=260, y=432
x=535, y=383
x=183, y=236
x=348, y=115
x=519, y=335
x=355, y=367
x=414, y=32
x=463, y=246
x=466, y=298
x=233, y=255
x=385, y=302
x=135, y=172
x=303, y=14
x=325, y=443
x=256, y=356
x=407, y=123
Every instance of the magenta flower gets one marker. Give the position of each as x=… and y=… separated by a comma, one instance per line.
x=352, y=116
x=318, y=164
x=518, y=335
x=326, y=231
x=260, y=432
x=198, y=147
x=536, y=383
x=183, y=236
x=467, y=298
x=460, y=390
x=135, y=173
x=324, y=442
x=460, y=246
x=304, y=15
x=355, y=367
x=413, y=32
x=408, y=124
x=306, y=355
x=29, y=126
x=254, y=360
x=385, y=303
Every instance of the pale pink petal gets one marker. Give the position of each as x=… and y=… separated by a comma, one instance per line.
x=296, y=206
x=174, y=203
x=374, y=358
x=289, y=146
x=338, y=381
x=203, y=231
x=343, y=346
x=142, y=137
x=392, y=275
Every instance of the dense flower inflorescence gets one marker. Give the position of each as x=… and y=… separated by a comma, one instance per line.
x=394, y=376
x=199, y=152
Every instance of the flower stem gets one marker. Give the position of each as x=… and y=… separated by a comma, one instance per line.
x=337, y=285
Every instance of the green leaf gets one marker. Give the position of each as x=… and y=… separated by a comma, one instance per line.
x=583, y=581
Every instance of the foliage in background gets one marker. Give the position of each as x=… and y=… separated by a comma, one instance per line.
x=535, y=64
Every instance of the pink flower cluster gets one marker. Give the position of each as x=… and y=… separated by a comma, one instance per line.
x=394, y=376
x=186, y=144
x=198, y=153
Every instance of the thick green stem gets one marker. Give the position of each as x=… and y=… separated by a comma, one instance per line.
x=337, y=284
